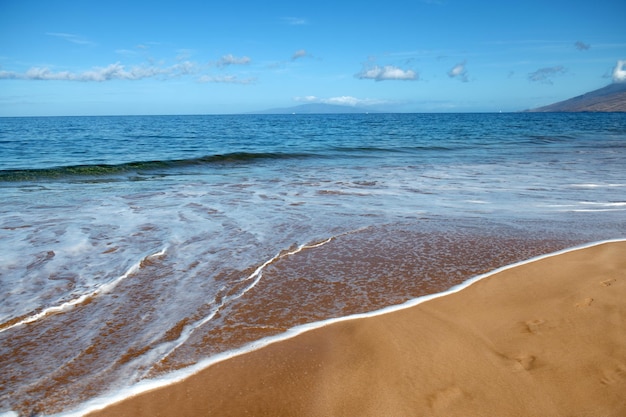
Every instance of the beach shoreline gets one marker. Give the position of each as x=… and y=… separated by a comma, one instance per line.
x=172, y=241
x=277, y=376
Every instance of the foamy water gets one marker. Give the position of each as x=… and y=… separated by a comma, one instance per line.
x=135, y=248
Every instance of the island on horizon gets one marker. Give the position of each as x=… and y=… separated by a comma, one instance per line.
x=611, y=98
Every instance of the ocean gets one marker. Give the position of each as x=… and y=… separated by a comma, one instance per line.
x=134, y=248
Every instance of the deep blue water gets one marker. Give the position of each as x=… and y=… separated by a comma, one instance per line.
x=58, y=146
x=164, y=220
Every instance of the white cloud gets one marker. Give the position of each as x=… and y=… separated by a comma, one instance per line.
x=118, y=71
x=229, y=59
x=300, y=53
x=110, y=72
x=307, y=99
x=8, y=75
x=544, y=75
x=388, y=72
x=340, y=100
x=115, y=71
x=183, y=68
x=459, y=72
x=345, y=101
x=619, y=72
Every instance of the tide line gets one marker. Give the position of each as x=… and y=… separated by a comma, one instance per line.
x=83, y=298
x=256, y=275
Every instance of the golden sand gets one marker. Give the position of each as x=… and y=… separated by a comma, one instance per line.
x=546, y=338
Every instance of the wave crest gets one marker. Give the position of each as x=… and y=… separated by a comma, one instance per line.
x=101, y=170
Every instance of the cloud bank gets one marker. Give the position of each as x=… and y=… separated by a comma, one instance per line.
x=619, y=72
x=118, y=71
x=388, y=72
x=115, y=71
x=544, y=75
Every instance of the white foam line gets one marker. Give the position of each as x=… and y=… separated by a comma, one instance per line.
x=597, y=185
x=80, y=300
x=258, y=274
x=595, y=203
x=259, y=270
x=177, y=376
x=596, y=210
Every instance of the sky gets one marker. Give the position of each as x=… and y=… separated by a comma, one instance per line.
x=206, y=57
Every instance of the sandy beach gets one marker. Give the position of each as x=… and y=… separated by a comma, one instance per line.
x=544, y=338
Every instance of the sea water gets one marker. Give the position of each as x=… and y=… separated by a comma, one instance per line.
x=134, y=247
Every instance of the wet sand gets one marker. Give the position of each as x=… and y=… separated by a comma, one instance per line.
x=545, y=338
x=109, y=343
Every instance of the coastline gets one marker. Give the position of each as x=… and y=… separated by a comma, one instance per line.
x=142, y=252
x=280, y=373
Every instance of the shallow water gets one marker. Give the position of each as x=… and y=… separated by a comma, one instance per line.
x=134, y=246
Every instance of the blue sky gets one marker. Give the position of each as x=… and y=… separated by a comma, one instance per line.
x=202, y=57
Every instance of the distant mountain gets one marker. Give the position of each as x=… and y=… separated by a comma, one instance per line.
x=316, y=108
x=606, y=99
